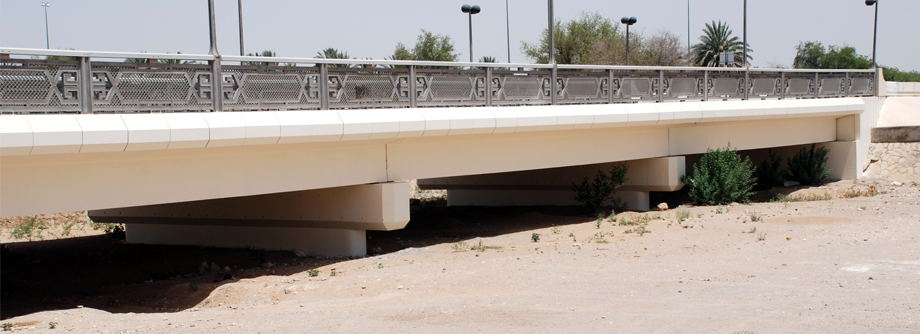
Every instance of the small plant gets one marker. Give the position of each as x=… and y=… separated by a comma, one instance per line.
x=613, y=216
x=721, y=177
x=332, y=272
x=460, y=246
x=770, y=172
x=719, y=210
x=656, y=216
x=7, y=327
x=640, y=230
x=535, y=237
x=52, y=325
x=380, y=265
x=594, y=195
x=753, y=230
x=483, y=247
x=556, y=229
x=755, y=217
x=683, y=214
x=313, y=272
x=599, y=221
x=30, y=228
x=807, y=166
x=762, y=236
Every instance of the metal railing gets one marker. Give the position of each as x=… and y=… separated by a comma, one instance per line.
x=182, y=84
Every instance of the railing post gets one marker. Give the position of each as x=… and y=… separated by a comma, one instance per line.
x=846, y=84
x=323, y=87
x=488, y=86
x=816, y=85
x=610, y=86
x=413, y=87
x=217, y=85
x=660, y=86
x=86, y=86
x=705, y=85
x=782, y=85
x=746, y=82
x=552, y=86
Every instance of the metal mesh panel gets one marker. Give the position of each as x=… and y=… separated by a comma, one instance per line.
x=522, y=88
x=832, y=87
x=725, y=87
x=36, y=86
x=683, y=88
x=368, y=88
x=154, y=87
x=267, y=87
x=635, y=87
x=450, y=87
x=860, y=86
x=271, y=87
x=584, y=87
x=146, y=87
x=798, y=87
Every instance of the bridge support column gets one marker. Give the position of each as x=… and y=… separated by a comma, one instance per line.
x=329, y=221
x=554, y=186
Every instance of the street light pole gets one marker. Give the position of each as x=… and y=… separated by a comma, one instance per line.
x=688, y=27
x=47, y=39
x=508, y=30
x=552, y=41
x=240, y=10
x=744, y=54
x=874, y=30
x=474, y=9
x=628, y=21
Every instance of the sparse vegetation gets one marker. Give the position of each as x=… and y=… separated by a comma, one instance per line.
x=483, y=247
x=721, y=177
x=332, y=272
x=313, y=272
x=7, y=327
x=755, y=217
x=641, y=230
x=460, y=246
x=762, y=236
x=593, y=195
x=52, y=325
x=807, y=166
x=683, y=214
x=535, y=237
x=556, y=229
x=380, y=265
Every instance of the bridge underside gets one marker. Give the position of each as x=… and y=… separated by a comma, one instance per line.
x=245, y=187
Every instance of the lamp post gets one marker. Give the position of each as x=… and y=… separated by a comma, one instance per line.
x=240, y=10
x=508, y=30
x=628, y=21
x=874, y=30
x=552, y=41
x=470, y=10
x=47, y=40
x=744, y=55
x=688, y=26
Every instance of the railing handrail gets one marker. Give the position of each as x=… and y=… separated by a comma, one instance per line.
x=385, y=62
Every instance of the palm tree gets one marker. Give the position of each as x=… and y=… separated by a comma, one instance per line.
x=331, y=53
x=717, y=38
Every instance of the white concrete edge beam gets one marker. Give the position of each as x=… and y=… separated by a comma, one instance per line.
x=62, y=134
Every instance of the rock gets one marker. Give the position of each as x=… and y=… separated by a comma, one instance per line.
x=203, y=268
x=268, y=265
x=663, y=207
x=897, y=184
x=227, y=269
x=291, y=289
x=214, y=267
x=300, y=253
x=790, y=183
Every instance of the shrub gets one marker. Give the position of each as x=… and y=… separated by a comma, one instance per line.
x=770, y=172
x=807, y=166
x=535, y=237
x=721, y=177
x=593, y=195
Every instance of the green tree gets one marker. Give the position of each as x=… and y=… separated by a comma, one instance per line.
x=809, y=55
x=428, y=46
x=894, y=74
x=717, y=38
x=813, y=54
x=574, y=40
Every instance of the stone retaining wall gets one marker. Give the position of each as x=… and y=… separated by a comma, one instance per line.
x=893, y=161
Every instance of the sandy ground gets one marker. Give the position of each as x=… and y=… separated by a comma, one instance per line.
x=849, y=265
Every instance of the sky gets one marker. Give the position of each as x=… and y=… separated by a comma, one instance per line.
x=371, y=28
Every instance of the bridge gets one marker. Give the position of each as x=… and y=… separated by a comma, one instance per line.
x=308, y=154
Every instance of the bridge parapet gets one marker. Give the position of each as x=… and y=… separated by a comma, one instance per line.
x=179, y=83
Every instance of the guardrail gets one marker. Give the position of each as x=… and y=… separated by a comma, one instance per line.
x=179, y=83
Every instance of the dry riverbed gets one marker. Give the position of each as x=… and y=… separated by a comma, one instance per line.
x=843, y=265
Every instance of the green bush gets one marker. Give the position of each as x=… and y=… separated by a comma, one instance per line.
x=721, y=177
x=770, y=172
x=593, y=194
x=807, y=166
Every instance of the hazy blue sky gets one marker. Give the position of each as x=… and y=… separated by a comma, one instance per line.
x=371, y=28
